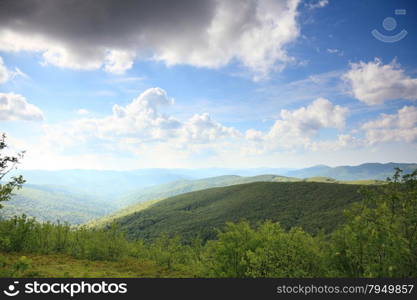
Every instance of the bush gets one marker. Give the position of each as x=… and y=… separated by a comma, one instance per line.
x=379, y=239
x=380, y=236
x=268, y=251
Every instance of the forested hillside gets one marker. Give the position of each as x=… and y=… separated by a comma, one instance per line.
x=184, y=186
x=311, y=205
x=53, y=203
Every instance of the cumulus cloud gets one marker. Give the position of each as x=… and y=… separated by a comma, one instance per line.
x=401, y=126
x=308, y=120
x=296, y=128
x=138, y=123
x=140, y=129
x=374, y=83
x=15, y=107
x=341, y=142
x=118, y=62
x=201, y=128
x=109, y=35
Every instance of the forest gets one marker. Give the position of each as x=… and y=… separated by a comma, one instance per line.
x=377, y=239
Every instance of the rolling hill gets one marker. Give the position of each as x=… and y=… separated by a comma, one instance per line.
x=144, y=198
x=52, y=203
x=112, y=184
x=311, y=205
x=103, y=184
x=184, y=186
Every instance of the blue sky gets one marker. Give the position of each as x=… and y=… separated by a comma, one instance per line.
x=256, y=84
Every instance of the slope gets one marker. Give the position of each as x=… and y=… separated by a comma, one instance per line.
x=184, y=186
x=311, y=205
x=52, y=203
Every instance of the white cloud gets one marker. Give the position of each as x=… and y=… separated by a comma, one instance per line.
x=201, y=128
x=335, y=51
x=318, y=4
x=55, y=52
x=4, y=73
x=374, y=83
x=254, y=135
x=296, y=128
x=140, y=134
x=138, y=123
x=15, y=107
x=401, y=126
x=343, y=141
x=255, y=33
x=308, y=120
x=118, y=61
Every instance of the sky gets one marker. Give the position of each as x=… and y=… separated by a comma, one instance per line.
x=195, y=84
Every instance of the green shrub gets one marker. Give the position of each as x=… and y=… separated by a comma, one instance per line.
x=380, y=236
x=268, y=251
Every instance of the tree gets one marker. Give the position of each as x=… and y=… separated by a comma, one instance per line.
x=7, y=164
x=380, y=236
x=265, y=251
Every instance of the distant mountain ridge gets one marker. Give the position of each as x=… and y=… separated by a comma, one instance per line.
x=375, y=171
x=78, y=196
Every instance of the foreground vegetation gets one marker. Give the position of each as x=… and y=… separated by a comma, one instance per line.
x=378, y=239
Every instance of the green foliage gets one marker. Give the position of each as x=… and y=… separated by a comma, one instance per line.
x=50, y=204
x=22, y=234
x=8, y=163
x=380, y=237
x=268, y=251
x=147, y=197
x=310, y=205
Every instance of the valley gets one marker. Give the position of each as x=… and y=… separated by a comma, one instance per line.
x=197, y=227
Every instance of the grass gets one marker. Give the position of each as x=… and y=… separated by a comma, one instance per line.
x=62, y=266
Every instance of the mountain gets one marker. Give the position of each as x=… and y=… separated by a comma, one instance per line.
x=102, y=192
x=52, y=203
x=311, y=205
x=375, y=171
x=185, y=186
x=112, y=184
x=145, y=197
x=100, y=183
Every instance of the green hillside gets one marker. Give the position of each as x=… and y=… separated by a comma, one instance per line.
x=52, y=203
x=184, y=186
x=311, y=205
x=55, y=202
x=144, y=198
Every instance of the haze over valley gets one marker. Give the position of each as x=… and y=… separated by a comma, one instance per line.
x=208, y=138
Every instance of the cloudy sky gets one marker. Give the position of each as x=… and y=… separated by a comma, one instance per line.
x=215, y=83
